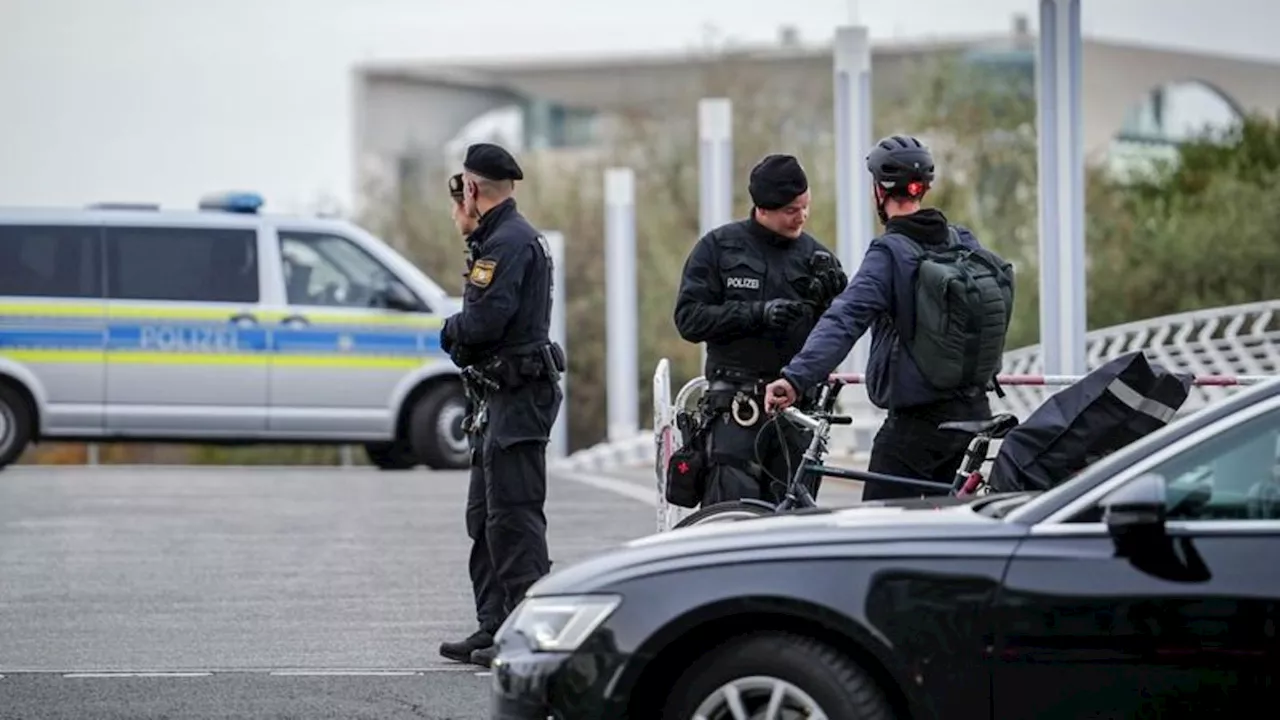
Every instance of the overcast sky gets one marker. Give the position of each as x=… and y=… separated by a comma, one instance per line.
x=162, y=100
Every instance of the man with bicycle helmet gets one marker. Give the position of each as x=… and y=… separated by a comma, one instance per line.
x=938, y=306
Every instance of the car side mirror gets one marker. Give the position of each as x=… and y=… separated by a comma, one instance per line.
x=1135, y=512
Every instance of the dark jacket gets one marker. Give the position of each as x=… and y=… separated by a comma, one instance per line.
x=880, y=297
x=729, y=275
x=506, y=305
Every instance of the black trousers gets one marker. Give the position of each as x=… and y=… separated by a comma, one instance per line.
x=910, y=445
x=504, y=517
x=732, y=472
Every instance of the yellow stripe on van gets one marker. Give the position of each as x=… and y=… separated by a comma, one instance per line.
x=326, y=317
x=130, y=357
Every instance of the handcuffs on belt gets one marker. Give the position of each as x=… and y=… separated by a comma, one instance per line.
x=739, y=400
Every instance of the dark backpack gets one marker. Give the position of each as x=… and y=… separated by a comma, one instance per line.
x=964, y=302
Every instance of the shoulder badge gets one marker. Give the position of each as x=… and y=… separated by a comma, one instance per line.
x=482, y=272
x=546, y=247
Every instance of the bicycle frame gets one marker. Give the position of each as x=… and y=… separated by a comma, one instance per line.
x=798, y=494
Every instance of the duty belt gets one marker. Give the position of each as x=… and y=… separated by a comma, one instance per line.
x=744, y=407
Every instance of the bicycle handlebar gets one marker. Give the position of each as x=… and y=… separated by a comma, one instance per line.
x=815, y=422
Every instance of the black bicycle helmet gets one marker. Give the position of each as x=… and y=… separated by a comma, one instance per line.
x=897, y=161
x=901, y=166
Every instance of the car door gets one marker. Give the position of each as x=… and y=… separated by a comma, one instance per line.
x=350, y=335
x=1187, y=624
x=52, y=318
x=186, y=351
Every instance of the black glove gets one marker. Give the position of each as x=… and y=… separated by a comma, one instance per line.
x=833, y=281
x=830, y=279
x=462, y=357
x=781, y=314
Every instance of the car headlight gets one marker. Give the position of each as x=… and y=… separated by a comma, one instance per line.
x=559, y=623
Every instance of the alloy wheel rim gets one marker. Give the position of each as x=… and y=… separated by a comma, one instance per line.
x=759, y=697
x=449, y=426
x=7, y=425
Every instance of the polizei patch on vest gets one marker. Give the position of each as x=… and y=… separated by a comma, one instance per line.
x=482, y=272
x=743, y=283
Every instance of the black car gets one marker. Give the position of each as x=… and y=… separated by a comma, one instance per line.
x=1147, y=586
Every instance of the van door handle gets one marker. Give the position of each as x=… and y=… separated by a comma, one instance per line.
x=244, y=318
x=295, y=320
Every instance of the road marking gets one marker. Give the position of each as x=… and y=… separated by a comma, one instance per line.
x=486, y=673
x=353, y=673
x=100, y=675
x=284, y=672
x=644, y=493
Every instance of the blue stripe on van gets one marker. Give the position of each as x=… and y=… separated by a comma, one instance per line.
x=221, y=337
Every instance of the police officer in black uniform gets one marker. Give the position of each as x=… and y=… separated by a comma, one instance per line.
x=752, y=290
x=500, y=339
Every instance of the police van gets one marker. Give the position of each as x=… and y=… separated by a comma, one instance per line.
x=221, y=325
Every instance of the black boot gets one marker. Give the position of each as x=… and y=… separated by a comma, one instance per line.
x=484, y=656
x=461, y=651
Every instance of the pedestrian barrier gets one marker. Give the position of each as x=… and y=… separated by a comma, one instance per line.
x=667, y=436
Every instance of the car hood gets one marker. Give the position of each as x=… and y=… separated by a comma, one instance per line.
x=874, y=525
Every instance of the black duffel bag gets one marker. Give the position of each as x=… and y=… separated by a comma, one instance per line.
x=1116, y=404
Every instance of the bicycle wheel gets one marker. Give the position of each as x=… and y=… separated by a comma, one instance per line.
x=726, y=512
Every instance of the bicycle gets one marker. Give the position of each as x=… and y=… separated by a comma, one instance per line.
x=969, y=480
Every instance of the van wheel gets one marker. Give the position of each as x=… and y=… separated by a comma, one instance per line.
x=391, y=455
x=435, y=428
x=15, y=425
x=789, y=674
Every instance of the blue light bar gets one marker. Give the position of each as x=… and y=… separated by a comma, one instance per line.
x=237, y=202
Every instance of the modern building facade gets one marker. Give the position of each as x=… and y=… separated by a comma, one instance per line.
x=406, y=114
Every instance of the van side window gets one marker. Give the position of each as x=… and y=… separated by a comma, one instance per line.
x=50, y=261
x=182, y=264
x=323, y=269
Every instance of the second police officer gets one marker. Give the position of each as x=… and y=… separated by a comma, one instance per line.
x=751, y=290
x=501, y=339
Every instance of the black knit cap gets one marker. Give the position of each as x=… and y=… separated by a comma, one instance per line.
x=491, y=161
x=775, y=181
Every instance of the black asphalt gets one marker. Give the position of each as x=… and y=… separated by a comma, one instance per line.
x=274, y=593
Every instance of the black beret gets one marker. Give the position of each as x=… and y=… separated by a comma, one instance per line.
x=775, y=181
x=455, y=186
x=490, y=161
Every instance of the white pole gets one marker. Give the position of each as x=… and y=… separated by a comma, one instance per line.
x=854, y=229
x=622, y=313
x=559, y=446
x=715, y=168
x=1061, y=170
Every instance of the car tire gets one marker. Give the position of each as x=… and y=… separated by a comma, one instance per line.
x=391, y=455
x=435, y=428
x=16, y=425
x=724, y=512
x=809, y=672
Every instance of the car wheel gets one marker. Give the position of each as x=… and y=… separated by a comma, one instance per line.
x=16, y=425
x=435, y=428
x=391, y=455
x=778, y=675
